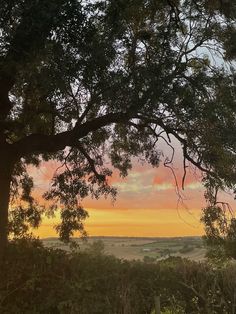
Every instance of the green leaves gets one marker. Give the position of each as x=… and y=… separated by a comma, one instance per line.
x=220, y=227
x=72, y=220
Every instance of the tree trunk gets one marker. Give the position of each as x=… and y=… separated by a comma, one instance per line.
x=5, y=181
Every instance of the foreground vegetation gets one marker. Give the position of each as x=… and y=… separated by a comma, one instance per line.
x=35, y=279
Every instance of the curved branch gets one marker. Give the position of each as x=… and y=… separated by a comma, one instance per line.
x=91, y=162
x=40, y=143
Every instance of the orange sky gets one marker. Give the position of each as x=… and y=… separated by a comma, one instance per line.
x=147, y=203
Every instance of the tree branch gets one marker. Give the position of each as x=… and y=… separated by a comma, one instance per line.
x=182, y=140
x=40, y=143
x=91, y=162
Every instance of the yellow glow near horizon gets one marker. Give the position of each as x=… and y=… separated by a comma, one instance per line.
x=142, y=222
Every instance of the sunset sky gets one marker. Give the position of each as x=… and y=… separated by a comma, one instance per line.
x=147, y=202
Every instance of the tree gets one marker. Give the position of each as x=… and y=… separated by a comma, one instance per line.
x=81, y=82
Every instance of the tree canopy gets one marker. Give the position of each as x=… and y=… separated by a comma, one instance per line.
x=84, y=82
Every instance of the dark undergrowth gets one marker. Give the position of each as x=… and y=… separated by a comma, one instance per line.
x=34, y=279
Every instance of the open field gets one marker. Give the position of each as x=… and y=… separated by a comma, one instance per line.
x=141, y=248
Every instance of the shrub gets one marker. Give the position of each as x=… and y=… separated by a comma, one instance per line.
x=34, y=279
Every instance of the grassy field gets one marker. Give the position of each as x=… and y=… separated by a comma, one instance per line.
x=148, y=249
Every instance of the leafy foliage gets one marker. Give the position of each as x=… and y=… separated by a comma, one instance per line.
x=220, y=232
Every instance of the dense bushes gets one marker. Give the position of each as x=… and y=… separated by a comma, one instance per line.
x=38, y=280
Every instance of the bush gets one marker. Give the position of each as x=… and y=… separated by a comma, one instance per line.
x=149, y=259
x=34, y=279
x=186, y=249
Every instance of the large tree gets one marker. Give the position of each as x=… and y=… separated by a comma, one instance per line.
x=84, y=82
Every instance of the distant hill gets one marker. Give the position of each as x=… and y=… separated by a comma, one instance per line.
x=141, y=248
